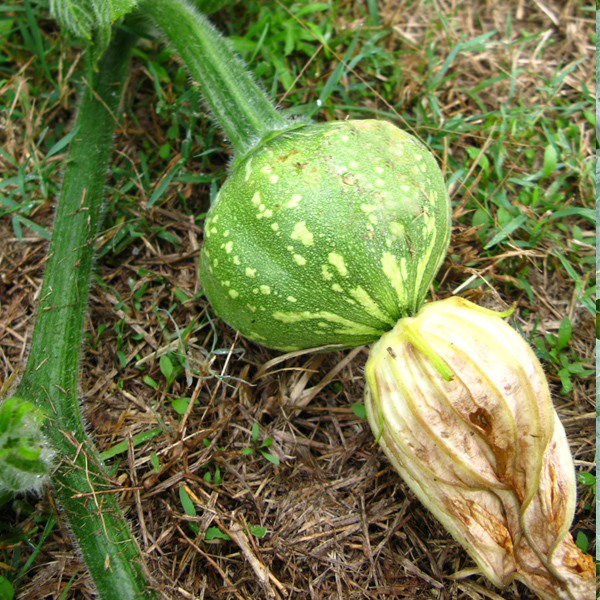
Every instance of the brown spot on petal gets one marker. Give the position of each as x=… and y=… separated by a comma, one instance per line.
x=481, y=418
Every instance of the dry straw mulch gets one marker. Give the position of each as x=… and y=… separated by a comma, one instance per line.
x=339, y=521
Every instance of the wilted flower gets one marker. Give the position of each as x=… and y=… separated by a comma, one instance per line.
x=461, y=407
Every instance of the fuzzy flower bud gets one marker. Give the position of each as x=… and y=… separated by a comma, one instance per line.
x=461, y=407
x=25, y=455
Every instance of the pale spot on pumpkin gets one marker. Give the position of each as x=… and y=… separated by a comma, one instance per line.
x=290, y=248
x=353, y=164
x=236, y=260
x=392, y=271
x=256, y=198
x=418, y=156
x=274, y=178
x=372, y=308
x=229, y=247
x=248, y=169
x=396, y=228
x=294, y=201
x=255, y=291
x=348, y=327
x=367, y=208
x=327, y=275
x=226, y=283
x=337, y=260
x=378, y=169
x=215, y=262
x=291, y=299
x=423, y=167
x=373, y=219
x=404, y=267
x=336, y=287
x=301, y=233
x=379, y=182
x=226, y=233
x=265, y=289
x=234, y=294
x=274, y=226
x=213, y=230
x=405, y=188
x=251, y=307
x=268, y=213
x=267, y=169
x=345, y=138
x=300, y=260
x=250, y=272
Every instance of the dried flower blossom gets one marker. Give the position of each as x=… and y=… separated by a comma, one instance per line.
x=461, y=407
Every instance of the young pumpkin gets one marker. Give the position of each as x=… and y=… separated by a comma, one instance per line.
x=323, y=234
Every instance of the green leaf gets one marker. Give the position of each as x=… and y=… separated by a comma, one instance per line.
x=164, y=184
x=565, y=379
x=359, y=410
x=186, y=502
x=338, y=72
x=137, y=439
x=581, y=541
x=255, y=432
x=258, y=531
x=166, y=366
x=149, y=381
x=270, y=457
x=506, y=231
x=62, y=143
x=33, y=226
x=7, y=591
x=180, y=405
x=586, y=478
x=215, y=532
x=550, y=160
x=155, y=462
x=564, y=333
x=586, y=213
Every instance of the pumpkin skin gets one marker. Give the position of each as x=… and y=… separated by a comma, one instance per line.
x=326, y=235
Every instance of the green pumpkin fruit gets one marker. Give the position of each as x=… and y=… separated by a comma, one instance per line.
x=326, y=235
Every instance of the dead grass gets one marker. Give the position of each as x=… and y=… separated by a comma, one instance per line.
x=340, y=523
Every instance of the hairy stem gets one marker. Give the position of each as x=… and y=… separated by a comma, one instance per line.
x=238, y=104
x=50, y=377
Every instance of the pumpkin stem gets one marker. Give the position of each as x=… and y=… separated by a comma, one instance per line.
x=238, y=104
x=49, y=380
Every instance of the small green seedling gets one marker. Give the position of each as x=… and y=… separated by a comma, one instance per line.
x=260, y=448
x=554, y=349
x=359, y=410
x=189, y=508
